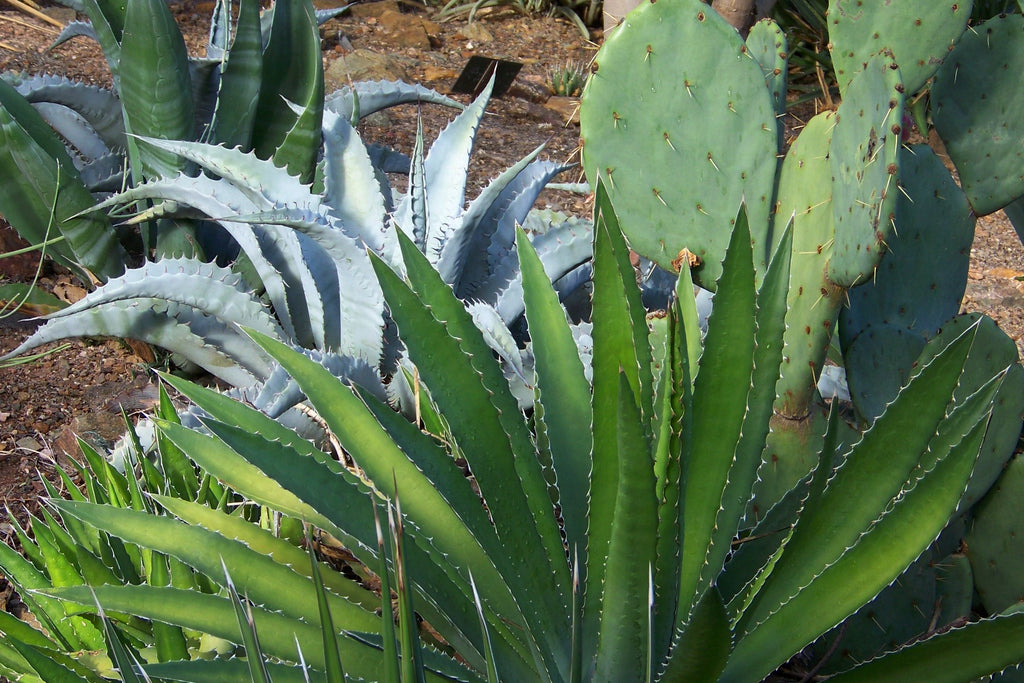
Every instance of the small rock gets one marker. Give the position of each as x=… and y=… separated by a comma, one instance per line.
x=568, y=108
x=27, y=443
x=432, y=74
x=364, y=65
x=475, y=33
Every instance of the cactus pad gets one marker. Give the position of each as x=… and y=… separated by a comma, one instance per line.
x=767, y=44
x=993, y=544
x=976, y=106
x=921, y=279
x=677, y=122
x=865, y=166
x=805, y=198
x=918, y=33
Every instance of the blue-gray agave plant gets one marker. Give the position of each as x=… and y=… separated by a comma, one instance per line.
x=244, y=160
x=305, y=247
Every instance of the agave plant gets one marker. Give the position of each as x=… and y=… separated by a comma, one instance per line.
x=70, y=148
x=302, y=228
x=599, y=536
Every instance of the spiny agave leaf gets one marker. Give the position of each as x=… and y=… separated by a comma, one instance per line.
x=562, y=250
x=73, y=129
x=445, y=170
x=292, y=72
x=412, y=213
x=213, y=345
x=279, y=391
x=387, y=160
x=621, y=346
x=44, y=664
x=43, y=192
x=486, y=427
x=98, y=106
x=103, y=174
x=262, y=578
x=351, y=186
x=262, y=181
x=74, y=29
x=229, y=671
x=234, y=114
x=994, y=644
x=376, y=95
x=211, y=288
x=485, y=233
x=155, y=87
x=215, y=615
x=497, y=336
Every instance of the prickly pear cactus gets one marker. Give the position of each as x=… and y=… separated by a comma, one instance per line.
x=864, y=159
x=976, y=105
x=677, y=122
x=919, y=35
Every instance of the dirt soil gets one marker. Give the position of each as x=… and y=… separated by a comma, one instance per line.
x=82, y=389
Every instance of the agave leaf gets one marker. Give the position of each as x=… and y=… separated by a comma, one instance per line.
x=99, y=107
x=214, y=345
x=940, y=658
x=412, y=213
x=436, y=494
x=292, y=73
x=563, y=394
x=266, y=436
x=75, y=29
x=107, y=19
x=481, y=259
x=155, y=88
x=624, y=640
x=262, y=578
x=562, y=249
x=376, y=95
x=491, y=433
x=234, y=114
x=44, y=664
x=351, y=186
x=263, y=542
x=44, y=194
x=445, y=170
x=229, y=671
x=279, y=634
x=620, y=345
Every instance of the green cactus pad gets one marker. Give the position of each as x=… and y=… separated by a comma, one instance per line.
x=976, y=106
x=878, y=362
x=767, y=44
x=919, y=34
x=993, y=543
x=805, y=197
x=677, y=122
x=921, y=279
x=865, y=165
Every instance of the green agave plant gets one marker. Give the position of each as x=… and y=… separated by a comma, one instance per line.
x=599, y=536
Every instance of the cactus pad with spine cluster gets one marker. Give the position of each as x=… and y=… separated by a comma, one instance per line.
x=919, y=35
x=676, y=89
x=976, y=105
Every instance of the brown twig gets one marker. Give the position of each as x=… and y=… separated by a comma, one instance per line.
x=44, y=29
x=28, y=9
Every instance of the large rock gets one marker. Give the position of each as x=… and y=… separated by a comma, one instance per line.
x=364, y=65
x=406, y=30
